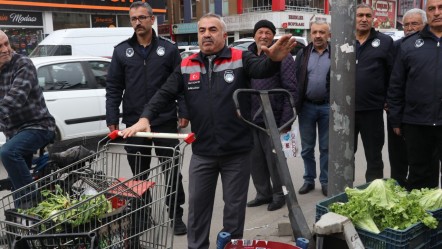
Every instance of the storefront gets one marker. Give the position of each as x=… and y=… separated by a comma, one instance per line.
x=185, y=34
x=27, y=28
x=24, y=29
x=296, y=23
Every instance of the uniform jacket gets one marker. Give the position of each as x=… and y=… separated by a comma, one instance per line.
x=22, y=105
x=283, y=79
x=374, y=61
x=301, y=67
x=415, y=92
x=134, y=80
x=208, y=94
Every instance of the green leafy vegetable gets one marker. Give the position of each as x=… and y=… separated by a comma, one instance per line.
x=60, y=207
x=383, y=204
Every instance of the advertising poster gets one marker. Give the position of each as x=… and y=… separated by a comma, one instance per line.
x=384, y=13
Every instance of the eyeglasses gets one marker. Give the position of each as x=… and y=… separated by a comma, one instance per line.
x=412, y=24
x=134, y=19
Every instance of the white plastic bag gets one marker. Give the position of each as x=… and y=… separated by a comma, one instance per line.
x=291, y=142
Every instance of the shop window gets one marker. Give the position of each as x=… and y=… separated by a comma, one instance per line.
x=70, y=20
x=24, y=40
x=123, y=21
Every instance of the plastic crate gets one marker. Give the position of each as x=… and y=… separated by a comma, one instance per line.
x=414, y=237
x=26, y=232
x=258, y=244
x=436, y=234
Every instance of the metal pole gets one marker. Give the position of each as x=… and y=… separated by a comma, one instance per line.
x=342, y=96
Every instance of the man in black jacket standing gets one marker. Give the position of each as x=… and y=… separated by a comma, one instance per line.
x=374, y=60
x=139, y=67
x=208, y=80
x=414, y=97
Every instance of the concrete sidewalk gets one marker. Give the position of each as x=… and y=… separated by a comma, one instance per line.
x=262, y=224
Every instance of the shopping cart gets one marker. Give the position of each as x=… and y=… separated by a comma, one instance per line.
x=101, y=203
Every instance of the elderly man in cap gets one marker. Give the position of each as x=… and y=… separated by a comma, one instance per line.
x=264, y=169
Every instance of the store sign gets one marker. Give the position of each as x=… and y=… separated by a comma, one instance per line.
x=384, y=12
x=159, y=6
x=185, y=28
x=164, y=29
x=302, y=21
x=103, y=21
x=19, y=18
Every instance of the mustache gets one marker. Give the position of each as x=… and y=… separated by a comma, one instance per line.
x=207, y=40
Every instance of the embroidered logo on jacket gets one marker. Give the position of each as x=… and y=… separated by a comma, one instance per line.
x=375, y=43
x=129, y=52
x=229, y=77
x=194, y=81
x=161, y=51
x=419, y=43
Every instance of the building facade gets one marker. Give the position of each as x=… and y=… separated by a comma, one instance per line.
x=28, y=22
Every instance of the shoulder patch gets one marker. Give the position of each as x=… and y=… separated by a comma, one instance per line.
x=122, y=42
x=166, y=39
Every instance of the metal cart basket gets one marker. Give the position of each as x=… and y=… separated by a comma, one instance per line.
x=102, y=204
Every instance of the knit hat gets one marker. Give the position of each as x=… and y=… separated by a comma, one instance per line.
x=264, y=24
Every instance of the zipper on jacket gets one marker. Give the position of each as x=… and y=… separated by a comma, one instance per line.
x=210, y=59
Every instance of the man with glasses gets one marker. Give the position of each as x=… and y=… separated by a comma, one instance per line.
x=139, y=67
x=414, y=98
x=414, y=20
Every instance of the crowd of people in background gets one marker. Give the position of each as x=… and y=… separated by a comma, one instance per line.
x=158, y=90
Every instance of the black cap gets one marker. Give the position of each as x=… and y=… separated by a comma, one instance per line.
x=264, y=24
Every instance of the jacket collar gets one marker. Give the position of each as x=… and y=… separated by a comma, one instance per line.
x=225, y=52
x=254, y=48
x=426, y=33
x=133, y=40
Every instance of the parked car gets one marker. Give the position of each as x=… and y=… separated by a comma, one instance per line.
x=187, y=53
x=244, y=43
x=188, y=48
x=74, y=90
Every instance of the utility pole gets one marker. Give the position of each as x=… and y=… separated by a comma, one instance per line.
x=341, y=166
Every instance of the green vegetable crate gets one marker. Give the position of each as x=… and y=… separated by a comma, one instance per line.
x=414, y=237
x=436, y=234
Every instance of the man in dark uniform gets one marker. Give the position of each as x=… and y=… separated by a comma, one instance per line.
x=139, y=67
x=374, y=60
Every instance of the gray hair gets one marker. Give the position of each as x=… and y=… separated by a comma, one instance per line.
x=320, y=22
x=212, y=15
x=416, y=11
x=363, y=6
x=139, y=4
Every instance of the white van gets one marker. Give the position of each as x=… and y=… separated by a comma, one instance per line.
x=82, y=42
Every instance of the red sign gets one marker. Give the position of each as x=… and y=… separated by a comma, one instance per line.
x=384, y=12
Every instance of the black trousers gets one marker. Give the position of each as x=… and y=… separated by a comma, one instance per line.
x=397, y=154
x=141, y=164
x=422, y=142
x=370, y=124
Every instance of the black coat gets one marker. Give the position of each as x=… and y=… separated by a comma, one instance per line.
x=374, y=62
x=415, y=92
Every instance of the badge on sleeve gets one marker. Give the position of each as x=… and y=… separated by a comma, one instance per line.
x=419, y=43
x=129, y=52
x=229, y=77
x=161, y=51
x=375, y=43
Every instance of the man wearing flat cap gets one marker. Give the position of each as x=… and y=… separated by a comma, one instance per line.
x=264, y=170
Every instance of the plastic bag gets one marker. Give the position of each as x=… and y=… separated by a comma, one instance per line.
x=291, y=142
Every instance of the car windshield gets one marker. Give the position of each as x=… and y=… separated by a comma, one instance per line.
x=51, y=50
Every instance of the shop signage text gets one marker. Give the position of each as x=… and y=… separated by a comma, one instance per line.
x=18, y=18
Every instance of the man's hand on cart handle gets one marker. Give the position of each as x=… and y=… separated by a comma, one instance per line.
x=143, y=124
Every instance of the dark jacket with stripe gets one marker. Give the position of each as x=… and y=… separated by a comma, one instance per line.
x=134, y=80
x=374, y=62
x=208, y=93
x=415, y=92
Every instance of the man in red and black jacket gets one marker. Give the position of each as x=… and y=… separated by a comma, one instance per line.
x=208, y=80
